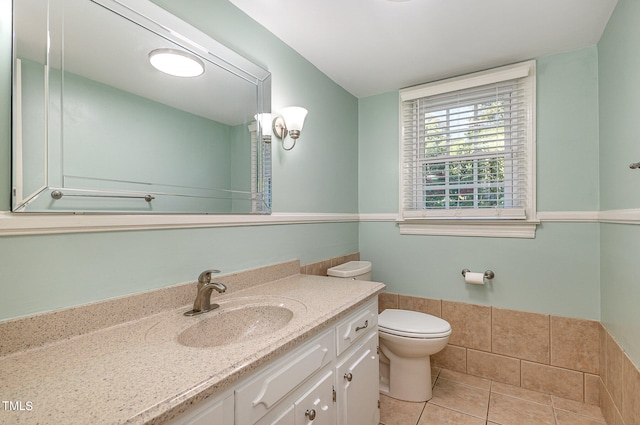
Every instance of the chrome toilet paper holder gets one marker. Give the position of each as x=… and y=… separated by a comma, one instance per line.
x=487, y=275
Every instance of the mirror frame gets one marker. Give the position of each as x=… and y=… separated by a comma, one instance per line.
x=166, y=25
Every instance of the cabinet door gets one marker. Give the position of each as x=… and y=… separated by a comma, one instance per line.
x=357, y=376
x=316, y=406
x=216, y=412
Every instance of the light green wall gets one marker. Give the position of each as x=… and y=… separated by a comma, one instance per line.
x=555, y=273
x=619, y=70
x=567, y=131
x=619, y=77
x=41, y=273
x=558, y=271
x=49, y=272
x=378, y=176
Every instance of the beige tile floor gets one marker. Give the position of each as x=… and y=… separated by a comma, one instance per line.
x=460, y=399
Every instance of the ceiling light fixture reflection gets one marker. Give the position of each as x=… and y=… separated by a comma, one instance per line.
x=176, y=62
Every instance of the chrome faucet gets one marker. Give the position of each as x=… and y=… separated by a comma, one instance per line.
x=202, y=303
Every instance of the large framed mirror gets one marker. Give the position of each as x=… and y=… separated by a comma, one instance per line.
x=98, y=128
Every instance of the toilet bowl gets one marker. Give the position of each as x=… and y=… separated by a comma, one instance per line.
x=407, y=340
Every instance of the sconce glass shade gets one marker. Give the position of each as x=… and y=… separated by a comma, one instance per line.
x=290, y=123
x=176, y=62
x=265, y=123
x=294, y=118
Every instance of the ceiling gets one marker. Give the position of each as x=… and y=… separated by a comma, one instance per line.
x=375, y=46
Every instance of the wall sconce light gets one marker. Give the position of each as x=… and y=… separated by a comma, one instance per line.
x=290, y=123
x=176, y=62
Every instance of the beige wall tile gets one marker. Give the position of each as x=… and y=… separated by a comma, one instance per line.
x=423, y=305
x=606, y=405
x=592, y=389
x=564, y=417
x=463, y=378
x=553, y=380
x=603, y=353
x=336, y=261
x=387, y=300
x=493, y=366
x=614, y=370
x=630, y=392
x=452, y=358
x=580, y=408
x=575, y=344
x=470, y=324
x=319, y=268
x=352, y=257
x=520, y=334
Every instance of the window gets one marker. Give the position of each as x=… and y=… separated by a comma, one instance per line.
x=467, y=153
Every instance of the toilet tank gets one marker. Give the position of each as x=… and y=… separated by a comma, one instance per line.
x=358, y=270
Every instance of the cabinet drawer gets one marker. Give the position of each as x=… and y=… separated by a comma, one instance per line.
x=264, y=391
x=355, y=326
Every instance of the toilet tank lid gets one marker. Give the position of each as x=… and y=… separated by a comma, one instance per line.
x=350, y=269
x=412, y=322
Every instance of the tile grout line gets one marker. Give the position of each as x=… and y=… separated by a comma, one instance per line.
x=424, y=406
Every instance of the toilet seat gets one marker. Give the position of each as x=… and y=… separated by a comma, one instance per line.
x=412, y=324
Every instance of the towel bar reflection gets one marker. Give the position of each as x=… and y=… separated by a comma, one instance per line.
x=56, y=194
x=487, y=275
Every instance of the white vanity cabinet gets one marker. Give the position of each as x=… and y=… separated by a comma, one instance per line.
x=357, y=368
x=330, y=379
x=289, y=381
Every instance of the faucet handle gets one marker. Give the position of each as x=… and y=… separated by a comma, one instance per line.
x=205, y=276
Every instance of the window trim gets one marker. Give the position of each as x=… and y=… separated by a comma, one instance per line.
x=470, y=222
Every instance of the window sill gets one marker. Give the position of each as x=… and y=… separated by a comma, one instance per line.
x=482, y=228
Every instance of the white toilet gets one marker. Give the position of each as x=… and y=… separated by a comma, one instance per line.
x=407, y=339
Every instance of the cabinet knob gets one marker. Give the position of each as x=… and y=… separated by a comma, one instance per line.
x=348, y=376
x=311, y=414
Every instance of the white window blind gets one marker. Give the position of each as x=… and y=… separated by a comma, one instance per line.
x=261, y=180
x=468, y=152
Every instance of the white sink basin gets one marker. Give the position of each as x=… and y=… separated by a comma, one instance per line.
x=236, y=325
x=237, y=320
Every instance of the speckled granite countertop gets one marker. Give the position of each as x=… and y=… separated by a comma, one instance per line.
x=137, y=372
